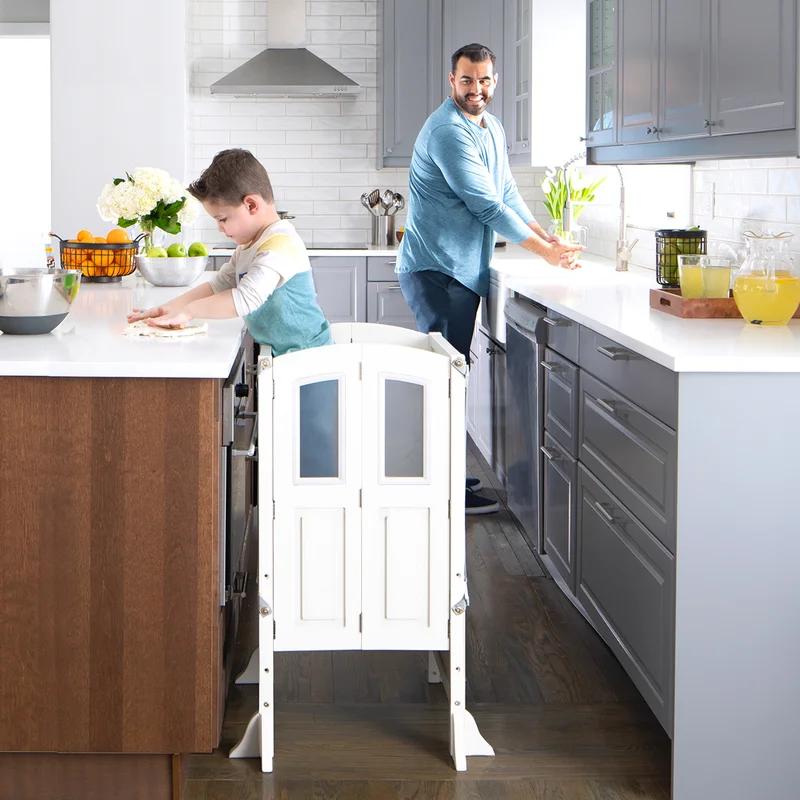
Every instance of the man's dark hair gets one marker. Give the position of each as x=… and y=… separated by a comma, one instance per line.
x=474, y=52
x=231, y=176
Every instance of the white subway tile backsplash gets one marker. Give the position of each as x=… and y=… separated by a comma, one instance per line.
x=784, y=181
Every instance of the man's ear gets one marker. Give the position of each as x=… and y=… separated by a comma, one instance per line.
x=452, y=80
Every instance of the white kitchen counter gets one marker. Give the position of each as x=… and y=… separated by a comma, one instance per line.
x=90, y=341
x=370, y=250
x=617, y=305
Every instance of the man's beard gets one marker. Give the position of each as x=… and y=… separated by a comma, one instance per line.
x=471, y=107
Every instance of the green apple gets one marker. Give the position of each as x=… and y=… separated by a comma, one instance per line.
x=197, y=249
x=176, y=250
x=156, y=252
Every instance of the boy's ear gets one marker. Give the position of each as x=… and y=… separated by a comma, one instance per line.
x=252, y=202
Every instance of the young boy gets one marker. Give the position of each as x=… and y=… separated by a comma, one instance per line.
x=268, y=280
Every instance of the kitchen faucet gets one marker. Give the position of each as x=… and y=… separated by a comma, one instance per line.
x=624, y=247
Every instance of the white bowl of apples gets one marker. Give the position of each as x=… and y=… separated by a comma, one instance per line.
x=176, y=265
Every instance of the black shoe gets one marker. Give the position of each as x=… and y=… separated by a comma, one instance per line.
x=475, y=504
x=474, y=484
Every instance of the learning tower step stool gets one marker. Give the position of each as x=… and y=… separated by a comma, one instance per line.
x=361, y=512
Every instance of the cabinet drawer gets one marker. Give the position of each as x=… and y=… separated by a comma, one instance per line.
x=632, y=453
x=626, y=584
x=561, y=400
x=387, y=306
x=559, y=483
x=652, y=386
x=381, y=268
x=562, y=334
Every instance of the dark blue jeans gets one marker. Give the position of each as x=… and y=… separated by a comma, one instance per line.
x=440, y=303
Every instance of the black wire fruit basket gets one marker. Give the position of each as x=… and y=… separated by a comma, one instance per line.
x=100, y=262
x=672, y=243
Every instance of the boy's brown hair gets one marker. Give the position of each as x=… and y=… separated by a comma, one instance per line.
x=231, y=176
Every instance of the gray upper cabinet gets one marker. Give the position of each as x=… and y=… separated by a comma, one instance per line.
x=753, y=65
x=684, y=83
x=639, y=62
x=517, y=82
x=698, y=79
x=341, y=285
x=412, y=79
x=483, y=21
x=601, y=97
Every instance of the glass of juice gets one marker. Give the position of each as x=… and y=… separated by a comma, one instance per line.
x=716, y=275
x=690, y=274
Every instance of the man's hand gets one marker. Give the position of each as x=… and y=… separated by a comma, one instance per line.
x=171, y=319
x=563, y=255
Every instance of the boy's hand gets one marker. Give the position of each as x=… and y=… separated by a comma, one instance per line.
x=171, y=319
x=563, y=255
x=156, y=311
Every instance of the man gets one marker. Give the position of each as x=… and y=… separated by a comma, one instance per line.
x=461, y=194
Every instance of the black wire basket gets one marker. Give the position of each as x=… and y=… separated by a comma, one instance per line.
x=672, y=243
x=100, y=262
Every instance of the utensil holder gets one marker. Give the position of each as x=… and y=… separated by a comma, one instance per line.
x=383, y=231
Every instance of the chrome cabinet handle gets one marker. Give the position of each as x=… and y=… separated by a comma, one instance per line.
x=554, y=323
x=549, y=453
x=603, y=511
x=549, y=367
x=606, y=405
x=614, y=353
x=391, y=263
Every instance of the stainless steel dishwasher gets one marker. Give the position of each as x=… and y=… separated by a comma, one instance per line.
x=525, y=342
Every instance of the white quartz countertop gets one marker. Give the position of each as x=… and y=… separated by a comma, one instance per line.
x=370, y=250
x=90, y=341
x=617, y=305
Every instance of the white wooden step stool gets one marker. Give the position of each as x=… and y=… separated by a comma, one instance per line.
x=361, y=512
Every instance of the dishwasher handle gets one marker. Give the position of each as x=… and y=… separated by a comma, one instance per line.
x=249, y=451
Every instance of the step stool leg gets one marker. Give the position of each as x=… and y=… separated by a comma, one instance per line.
x=434, y=676
x=249, y=675
x=458, y=749
x=266, y=697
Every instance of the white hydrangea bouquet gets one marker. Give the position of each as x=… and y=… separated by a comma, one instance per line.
x=149, y=197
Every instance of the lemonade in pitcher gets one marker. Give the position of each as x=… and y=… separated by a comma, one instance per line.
x=767, y=287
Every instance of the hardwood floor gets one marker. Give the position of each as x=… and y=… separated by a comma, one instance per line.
x=564, y=719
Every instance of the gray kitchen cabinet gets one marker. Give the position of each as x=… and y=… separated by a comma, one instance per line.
x=387, y=306
x=698, y=79
x=559, y=498
x=561, y=400
x=483, y=21
x=638, y=70
x=341, y=284
x=601, y=73
x=412, y=80
x=684, y=84
x=626, y=584
x=753, y=65
x=516, y=83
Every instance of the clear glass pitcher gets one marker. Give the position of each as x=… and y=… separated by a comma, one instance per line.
x=767, y=285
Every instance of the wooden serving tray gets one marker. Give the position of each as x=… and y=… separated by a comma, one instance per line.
x=672, y=302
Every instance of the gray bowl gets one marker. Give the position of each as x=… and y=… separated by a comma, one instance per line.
x=171, y=271
x=34, y=301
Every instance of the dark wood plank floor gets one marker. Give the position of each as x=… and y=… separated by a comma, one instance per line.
x=564, y=719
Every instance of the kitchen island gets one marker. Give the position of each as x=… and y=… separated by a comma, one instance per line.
x=670, y=451
x=112, y=614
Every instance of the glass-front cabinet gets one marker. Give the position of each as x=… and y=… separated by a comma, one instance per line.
x=518, y=41
x=601, y=101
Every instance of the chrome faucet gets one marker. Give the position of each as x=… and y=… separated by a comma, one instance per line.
x=624, y=247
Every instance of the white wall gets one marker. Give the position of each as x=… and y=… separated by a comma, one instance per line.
x=118, y=99
x=24, y=151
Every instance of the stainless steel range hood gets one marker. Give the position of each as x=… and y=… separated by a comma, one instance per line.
x=286, y=68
